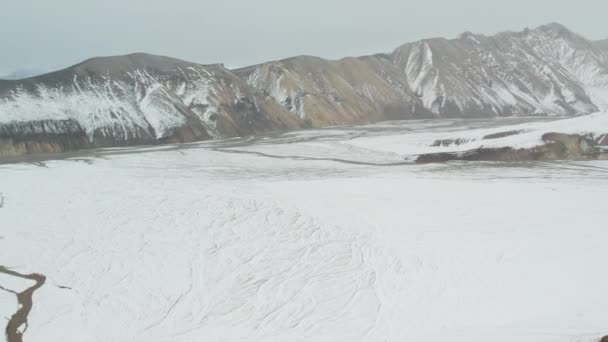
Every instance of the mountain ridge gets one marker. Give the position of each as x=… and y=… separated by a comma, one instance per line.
x=572, y=101
x=547, y=27
x=143, y=98
x=128, y=100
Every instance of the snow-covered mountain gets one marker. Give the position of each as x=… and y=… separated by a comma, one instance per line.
x=132, y=99
x=545, y=71
x=351, y=90
x=141, y=98
x=549, y=70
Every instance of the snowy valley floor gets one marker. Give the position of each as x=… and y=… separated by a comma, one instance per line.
x=313, y=236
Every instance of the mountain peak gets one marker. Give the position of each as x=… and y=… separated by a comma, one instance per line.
x=555, y=29
x=469, y=34
x=117, y=67
x=554, y=26
x=124, y=63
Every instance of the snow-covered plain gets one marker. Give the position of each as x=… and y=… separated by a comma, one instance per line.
x=313, y=236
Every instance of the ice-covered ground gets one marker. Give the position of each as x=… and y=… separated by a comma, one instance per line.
x=312, y=236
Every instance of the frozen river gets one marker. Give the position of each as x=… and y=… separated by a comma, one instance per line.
x=327, y=235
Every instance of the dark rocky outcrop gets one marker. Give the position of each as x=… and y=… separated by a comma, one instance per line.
x=41, y=137
x=558, y=146
x=501, y=135
x=449, y=142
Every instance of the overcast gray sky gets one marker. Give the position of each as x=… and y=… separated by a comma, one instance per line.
x=44, y=34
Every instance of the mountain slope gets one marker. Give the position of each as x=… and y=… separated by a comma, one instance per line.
x=546, y=71
x=139, y=98
x=507, y=74
x=132, y=99
x=351, y=90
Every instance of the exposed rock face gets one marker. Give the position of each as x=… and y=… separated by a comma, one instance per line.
x=351, y=90
x=558, y=146
x=546, y=71
x=449, y=142
x=501, y=135
x=145, y=99
x=127, y=100
x=50, y=136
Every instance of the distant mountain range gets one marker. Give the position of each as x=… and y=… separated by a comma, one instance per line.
x=146, y=99
x=21, y=74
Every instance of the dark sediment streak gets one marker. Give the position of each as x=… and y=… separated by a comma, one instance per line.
x=26, y=302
